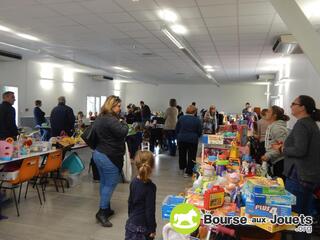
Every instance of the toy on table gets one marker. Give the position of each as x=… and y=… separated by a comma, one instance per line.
x=228, y=209
x=169, y=203
x=234, y=151
x=6, y=150
x=248, y=168
x=214, y=198
x=233, y=181
x=208, y=171
x=221, y=166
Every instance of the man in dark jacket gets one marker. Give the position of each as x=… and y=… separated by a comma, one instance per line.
x=62, y=118
x=8, y=127
x=145, y=112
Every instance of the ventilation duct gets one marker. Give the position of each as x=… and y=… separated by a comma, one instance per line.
x=9, y=57
x=101, y=77
x=287, y=44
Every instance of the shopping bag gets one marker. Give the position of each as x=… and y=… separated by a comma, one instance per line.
x=127, y=168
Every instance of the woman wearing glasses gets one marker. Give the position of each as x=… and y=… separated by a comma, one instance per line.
x=108, y=155
x=302, y=156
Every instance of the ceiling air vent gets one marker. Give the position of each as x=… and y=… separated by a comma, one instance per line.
x=9, y=57
x=147, y=54
x=287, y=44
x=101, y=77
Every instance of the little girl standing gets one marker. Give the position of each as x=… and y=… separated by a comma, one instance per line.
x=141, y=224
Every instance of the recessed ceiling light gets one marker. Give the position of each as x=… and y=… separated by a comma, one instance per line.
x=5, y=29
x=28, y=36
x=179, y=29
x=207, y=66
x=168, y=15
x=210, y=70
x=126, y=70
x=118, y=68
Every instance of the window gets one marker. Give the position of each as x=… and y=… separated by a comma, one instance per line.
x=103, y=99
x=91, y=105
x=15, y=105
x=94, y=104
x=97, y=104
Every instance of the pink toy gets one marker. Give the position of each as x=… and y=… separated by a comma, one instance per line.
x=6, y=150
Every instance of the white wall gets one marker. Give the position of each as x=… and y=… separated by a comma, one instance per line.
x=26, y=76
x=302, y=80
x=227, y=98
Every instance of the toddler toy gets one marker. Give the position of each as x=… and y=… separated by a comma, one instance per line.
x=6, y=150
x=214, y=198
x=221, y=166
x=208, y=171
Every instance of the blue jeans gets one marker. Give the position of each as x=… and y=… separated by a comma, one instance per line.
x=305, y=200
x=109, y=177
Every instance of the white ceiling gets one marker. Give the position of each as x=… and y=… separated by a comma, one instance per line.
x=236, y=36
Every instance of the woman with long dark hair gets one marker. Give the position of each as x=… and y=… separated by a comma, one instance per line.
x=302, y=155
x=108, y=155
x=277, y=132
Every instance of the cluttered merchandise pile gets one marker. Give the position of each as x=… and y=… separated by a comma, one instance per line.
x=232, y=194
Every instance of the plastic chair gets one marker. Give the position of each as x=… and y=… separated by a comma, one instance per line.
x=51, y=166
x=28, y=170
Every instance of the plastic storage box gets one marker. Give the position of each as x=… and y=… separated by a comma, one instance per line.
x=169, y=203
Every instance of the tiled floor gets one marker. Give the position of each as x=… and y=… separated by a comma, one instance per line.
x=71, y=215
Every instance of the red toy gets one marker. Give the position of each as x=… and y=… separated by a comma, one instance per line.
x=214, y=198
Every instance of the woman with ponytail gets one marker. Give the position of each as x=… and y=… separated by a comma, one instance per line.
x=277, y=132
x=302, y=157
x=141, y=224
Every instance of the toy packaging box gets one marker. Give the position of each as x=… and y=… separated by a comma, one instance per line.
x=261, y=185
x=272, y=228
x=267, y=210
x=286, y=199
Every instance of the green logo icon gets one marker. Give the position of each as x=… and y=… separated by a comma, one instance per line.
x=185, y=218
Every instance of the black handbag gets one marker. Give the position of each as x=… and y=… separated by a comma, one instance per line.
x=90, y=137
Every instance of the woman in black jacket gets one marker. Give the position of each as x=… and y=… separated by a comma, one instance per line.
x=302, y=155
x=108, y=155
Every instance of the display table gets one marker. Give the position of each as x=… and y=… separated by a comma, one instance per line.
x=22, y=157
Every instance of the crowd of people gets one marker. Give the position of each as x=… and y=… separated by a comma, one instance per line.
x=292, y=155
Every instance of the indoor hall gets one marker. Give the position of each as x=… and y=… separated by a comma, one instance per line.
x=208, y=103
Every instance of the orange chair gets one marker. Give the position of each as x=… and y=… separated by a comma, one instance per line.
x=52, y=165
x=28, y=170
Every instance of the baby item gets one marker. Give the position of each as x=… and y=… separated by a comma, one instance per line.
x=214, y=197
x=6, y=150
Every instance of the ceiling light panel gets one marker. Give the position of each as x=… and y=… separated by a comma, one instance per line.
x=168, y=15
x=179, y=29
x=5, y=29
x=28, y=36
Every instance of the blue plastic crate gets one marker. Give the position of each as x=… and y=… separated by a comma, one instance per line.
x=73, y=164
x=169, y=203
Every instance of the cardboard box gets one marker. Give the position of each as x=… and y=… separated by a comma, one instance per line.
x=262, y=185
x=269, y=227
x=264, y=199
x=267, y=210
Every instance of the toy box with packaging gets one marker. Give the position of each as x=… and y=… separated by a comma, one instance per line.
x=264, y=199
x=214, y=198
x=267, y=210
x=169, y=203
x=268, y=226
x=262, y=185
